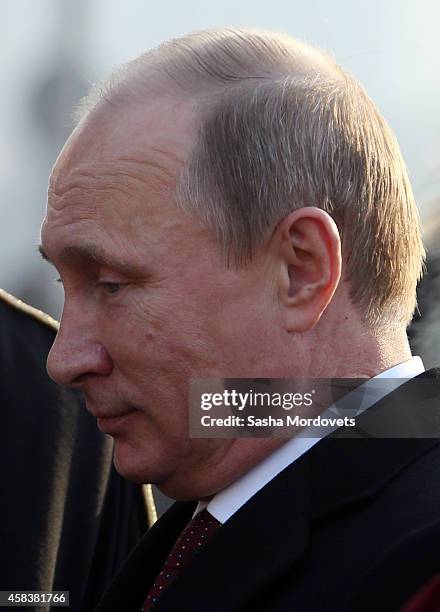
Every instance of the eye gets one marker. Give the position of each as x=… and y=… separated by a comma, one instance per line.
x=111, y=288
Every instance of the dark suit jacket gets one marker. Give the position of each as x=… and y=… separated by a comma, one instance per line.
x=315, y=537
x=67, y=519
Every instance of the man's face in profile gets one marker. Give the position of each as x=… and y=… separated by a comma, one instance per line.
x=148, y=301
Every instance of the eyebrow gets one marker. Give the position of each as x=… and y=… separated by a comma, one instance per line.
x=91, y=254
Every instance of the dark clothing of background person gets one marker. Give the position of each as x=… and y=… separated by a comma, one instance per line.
x=67, y=519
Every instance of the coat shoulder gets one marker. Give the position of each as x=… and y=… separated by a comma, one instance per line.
x=30, y=311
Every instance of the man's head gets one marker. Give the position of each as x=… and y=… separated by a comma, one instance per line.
x=197, y=217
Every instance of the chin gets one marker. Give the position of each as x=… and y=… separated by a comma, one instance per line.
x=178, y=491
x=163, y=476
x=131, y=472
x=140, y=467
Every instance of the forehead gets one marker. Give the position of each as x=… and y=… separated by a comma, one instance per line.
x=157, y=134
x=120, y=167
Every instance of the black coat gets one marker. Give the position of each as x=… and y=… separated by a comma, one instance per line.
x=67, y=519
x=331, y=533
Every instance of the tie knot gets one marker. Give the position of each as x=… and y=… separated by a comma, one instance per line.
x=198, y=531
x=202, y=523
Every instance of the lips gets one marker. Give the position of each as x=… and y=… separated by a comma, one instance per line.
x=111, y=415
x=113, y=424
x=99, y=414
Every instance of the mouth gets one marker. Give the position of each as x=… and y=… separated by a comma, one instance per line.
x=108, y=422
x=111, y=424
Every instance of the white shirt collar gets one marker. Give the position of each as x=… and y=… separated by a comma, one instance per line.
x=225, y=503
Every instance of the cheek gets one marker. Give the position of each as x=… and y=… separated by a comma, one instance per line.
x=154, y=349
x=156, y=335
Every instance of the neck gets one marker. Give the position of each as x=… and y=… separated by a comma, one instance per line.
x=350, y=349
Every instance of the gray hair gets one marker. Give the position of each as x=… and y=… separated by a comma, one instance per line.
x=282, y=126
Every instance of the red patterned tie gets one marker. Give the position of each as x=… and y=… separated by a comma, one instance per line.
x=192, y=538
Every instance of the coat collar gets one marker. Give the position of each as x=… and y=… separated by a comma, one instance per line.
x=361, y=466
x=258, y=543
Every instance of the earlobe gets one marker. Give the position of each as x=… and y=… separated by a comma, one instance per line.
x=310, y=266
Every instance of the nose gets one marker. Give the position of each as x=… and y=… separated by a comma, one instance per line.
x=76, y=354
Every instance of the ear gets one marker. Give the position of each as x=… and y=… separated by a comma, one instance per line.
x=309, y=263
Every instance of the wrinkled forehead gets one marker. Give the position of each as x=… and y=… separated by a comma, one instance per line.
x=114, y=182
x=158, y=133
